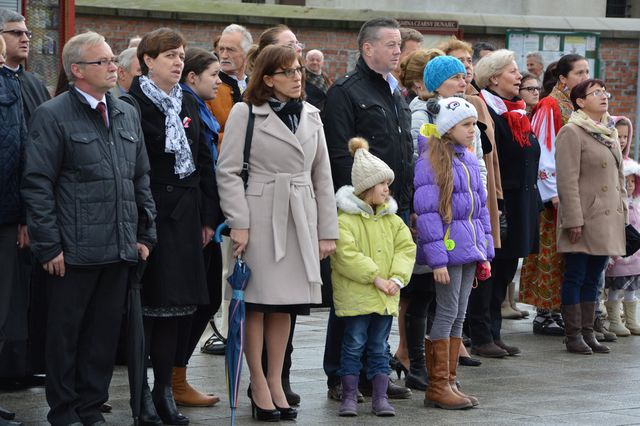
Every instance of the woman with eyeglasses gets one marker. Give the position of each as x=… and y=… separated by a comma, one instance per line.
x=529, y=91
x=592, y=212
x=541, y=274
x=284, y=222
x=185, y=192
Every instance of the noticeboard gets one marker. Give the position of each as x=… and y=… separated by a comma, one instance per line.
x=553, y=45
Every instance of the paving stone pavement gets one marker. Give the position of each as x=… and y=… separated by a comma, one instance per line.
x=545, y=385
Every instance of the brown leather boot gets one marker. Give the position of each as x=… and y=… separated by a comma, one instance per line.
x=439, y=392
x=454, y=351
x=184, y=394
x=588, y=312
x=572, y=316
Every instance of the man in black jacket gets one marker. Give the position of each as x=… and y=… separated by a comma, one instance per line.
x=366, y=102
x=90, y=216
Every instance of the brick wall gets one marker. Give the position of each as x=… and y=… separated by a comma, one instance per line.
x=619, y=57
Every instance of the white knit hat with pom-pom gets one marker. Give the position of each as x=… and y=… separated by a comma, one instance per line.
x=368, y=170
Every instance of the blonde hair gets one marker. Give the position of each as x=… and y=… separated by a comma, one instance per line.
x=492, y=65
x=441, y=158
x=454, y=44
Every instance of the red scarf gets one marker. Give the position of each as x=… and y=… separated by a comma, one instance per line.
x=515, y=114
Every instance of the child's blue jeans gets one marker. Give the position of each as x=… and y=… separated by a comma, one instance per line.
x=370, y=333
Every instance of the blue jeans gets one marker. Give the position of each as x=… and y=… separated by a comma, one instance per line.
x=582, y=277
x=368, y=332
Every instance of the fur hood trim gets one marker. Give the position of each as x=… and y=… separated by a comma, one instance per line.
x=350, y=203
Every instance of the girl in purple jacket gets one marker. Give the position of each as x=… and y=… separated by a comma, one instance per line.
x=454, y=237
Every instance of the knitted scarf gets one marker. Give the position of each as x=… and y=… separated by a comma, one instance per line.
x=514, y=112
x=604, y=131
x=175, y=137
x=289, y=112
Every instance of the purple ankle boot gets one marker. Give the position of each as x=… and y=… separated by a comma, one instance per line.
x=349, y=404
x=379, y=404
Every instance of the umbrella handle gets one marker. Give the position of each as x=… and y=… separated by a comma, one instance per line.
x=219, y=230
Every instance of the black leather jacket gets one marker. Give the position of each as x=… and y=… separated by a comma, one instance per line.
x=361, y=104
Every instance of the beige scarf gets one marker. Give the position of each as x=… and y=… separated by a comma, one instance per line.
x=604, y=131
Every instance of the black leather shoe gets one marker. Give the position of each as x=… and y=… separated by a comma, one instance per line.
x=263, y=415
x=166, y=406
x=106, y=408
x=6, y=414
x=148, y=414
x=393, y=391
x=214, y=346
x=292, y=397
x=467, y=361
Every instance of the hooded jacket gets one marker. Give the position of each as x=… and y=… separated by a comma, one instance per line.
x=468, y=237
x=371, y=244
x=627, y=149
x=629, y=266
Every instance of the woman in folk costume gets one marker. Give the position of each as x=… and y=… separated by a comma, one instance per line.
x=541, y=275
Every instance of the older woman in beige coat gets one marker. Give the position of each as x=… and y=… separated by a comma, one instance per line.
x=592, y=212
x=285, y=221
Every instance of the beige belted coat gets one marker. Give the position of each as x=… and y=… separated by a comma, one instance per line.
x=288, y=205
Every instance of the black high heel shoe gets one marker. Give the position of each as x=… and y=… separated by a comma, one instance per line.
x=263, y=415
x=396, y=365
x=287, y=413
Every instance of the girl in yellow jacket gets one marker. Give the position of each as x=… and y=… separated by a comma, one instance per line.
x=373, y=260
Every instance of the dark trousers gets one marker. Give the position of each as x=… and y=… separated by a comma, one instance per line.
x=484, y=321
x=85, y=310
x=582, y=276
x=9, y=273
x=193, y=326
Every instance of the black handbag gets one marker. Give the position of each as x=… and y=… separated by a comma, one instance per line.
x=632, y=237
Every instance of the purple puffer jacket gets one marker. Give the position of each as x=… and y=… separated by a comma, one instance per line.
x=468, y=237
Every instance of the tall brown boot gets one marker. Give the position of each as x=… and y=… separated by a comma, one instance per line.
x=572, y=316
x=439, y=392
x=184, y=394
x=588, y=312
x=454, y=351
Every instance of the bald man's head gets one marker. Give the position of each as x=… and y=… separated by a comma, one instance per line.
x=314, y=61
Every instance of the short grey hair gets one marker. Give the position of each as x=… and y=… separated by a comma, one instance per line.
x=8, y=15
x=537, y=56
x=313, y=52
x=492, y=65
x=369, y=30
x=247, y=39
x=73, y=50
x=126, y=57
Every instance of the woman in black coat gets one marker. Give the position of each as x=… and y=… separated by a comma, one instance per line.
x=519, y=153
x=185, y=192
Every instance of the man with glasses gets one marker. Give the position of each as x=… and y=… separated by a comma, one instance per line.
x=18, y=38
x=91, y=217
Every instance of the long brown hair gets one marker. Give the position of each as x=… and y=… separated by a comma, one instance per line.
x=441, y=159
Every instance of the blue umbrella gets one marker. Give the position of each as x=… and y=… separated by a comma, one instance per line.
x=235, y=336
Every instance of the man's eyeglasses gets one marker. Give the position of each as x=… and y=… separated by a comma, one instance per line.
x=291, y=72
x=531, y=89
x=598, y=93
x=101, y=62
x=18, y=33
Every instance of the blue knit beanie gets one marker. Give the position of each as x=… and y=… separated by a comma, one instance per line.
x=439, y=69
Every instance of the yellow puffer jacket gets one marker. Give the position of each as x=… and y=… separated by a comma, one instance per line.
x=371, y=244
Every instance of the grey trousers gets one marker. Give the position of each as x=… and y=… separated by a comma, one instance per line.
x=451, y=302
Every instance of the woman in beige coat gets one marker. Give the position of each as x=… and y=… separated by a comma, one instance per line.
x=592, y=212
x=286, y=219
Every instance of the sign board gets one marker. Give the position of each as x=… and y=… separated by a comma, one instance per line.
x=429, y=25
x=553, y=45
